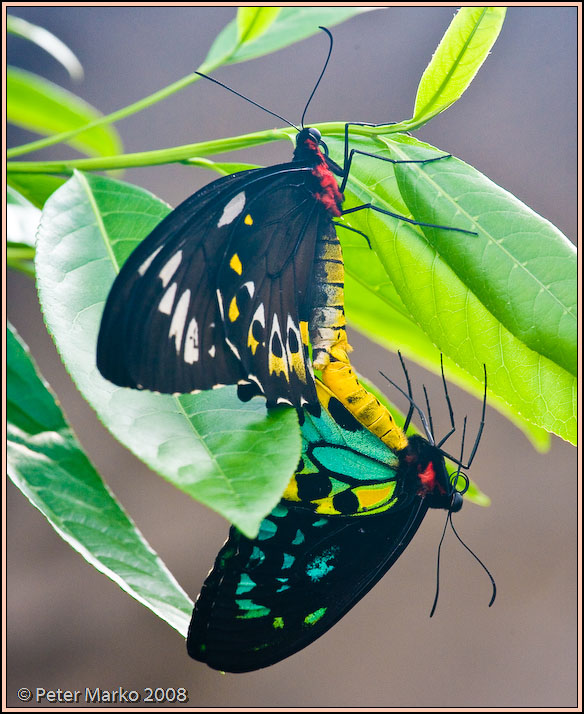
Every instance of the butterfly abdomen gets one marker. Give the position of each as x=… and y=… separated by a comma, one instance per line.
x=327, y=321
x=342, y=381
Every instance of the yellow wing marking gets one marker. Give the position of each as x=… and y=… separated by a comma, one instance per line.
x=235, y=264
x=233, y=310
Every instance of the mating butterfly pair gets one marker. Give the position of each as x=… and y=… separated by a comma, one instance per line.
x=234, y=286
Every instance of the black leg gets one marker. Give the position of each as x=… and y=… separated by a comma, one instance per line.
x=347, y=161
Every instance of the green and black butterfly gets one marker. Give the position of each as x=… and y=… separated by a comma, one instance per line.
x=234, y=283
x=348, y=513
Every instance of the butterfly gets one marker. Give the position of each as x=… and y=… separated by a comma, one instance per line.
x=348, y=513
x=236, y=282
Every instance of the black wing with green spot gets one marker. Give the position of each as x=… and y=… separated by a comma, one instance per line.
x=269, y=597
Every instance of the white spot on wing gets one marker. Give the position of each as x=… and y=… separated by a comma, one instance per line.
x=232, y=210
x=220, y=302
x=192, y=342
x=253, y=378
x=211, y=351
x=170, y=268
x=146, y=264
x=233, y=348
x=177, y=326
x=250, y=287
x=260, y=315
x=167, y=301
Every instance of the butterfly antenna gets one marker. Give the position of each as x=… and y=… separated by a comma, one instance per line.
x=450, y=411
x=413, y=406
x=247, y=99
x=321, y=74
x=428, y=410
x=478, y=436
x=438, y=567
x=479, y=561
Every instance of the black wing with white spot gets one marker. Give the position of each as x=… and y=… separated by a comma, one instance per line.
x=170, y=323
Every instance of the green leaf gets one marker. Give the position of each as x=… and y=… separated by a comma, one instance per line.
x=370, y=310
x=210, y=445
x=38, y=105
x=291, y=25
x=440, y=301
x=35, y=187
x=459, y=56
x=45, y=39
x=520, y=266
x=47, y=463
x=253, y=22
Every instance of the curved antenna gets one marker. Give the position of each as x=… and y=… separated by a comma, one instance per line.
x=433, y=610
x=247, y=99
x=321, y=74
x=478, y=436
x=479, y=561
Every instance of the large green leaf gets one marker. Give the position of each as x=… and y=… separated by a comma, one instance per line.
x=376, y=317
x=291, y=25
x=38, y=105
x=443, y=301
x=521, y=267
x=460, y=54
x=210, y=445
x=47, y=463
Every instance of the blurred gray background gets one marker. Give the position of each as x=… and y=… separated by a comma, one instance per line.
x=70, y=627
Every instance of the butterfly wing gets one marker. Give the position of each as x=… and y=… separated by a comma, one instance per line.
x=180, y=316
x=267, y=598
x=315, y=555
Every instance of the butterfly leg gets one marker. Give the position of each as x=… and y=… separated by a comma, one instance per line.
x=348, y=159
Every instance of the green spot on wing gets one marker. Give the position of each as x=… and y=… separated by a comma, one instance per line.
x=278, y=623
x=245, y=584
x=299, y=538
x=267, y=530
x=251, y=609
x=314, y=617
x=280, y=511
x=320, y=566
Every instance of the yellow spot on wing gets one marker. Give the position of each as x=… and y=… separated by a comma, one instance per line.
x=304, y=331
x=371, y=496
x=252, y=343
x=248, y=220
x=297, y=365
x=277, y=365
x=291, y=492
x=233, y=310
x=235, y=264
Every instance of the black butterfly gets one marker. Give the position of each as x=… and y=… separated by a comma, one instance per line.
x=233, y=285
x=351, y=509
